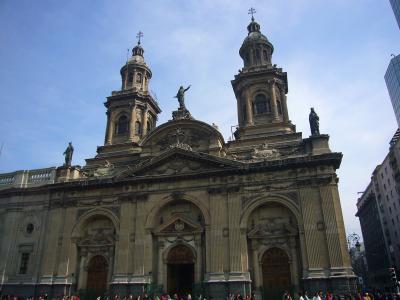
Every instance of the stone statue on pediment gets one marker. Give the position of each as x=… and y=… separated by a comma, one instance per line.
x=181, y=97
x=68, y=154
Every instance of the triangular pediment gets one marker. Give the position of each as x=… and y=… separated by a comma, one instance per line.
x=179, y=161
x=178, y=225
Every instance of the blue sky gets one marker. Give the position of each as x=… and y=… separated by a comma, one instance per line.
x=59, y=60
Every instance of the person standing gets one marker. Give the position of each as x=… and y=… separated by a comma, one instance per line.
x=300, y=295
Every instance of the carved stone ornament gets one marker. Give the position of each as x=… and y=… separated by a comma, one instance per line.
x=272, y=227
x=179, y=135
x=106, y=170
x=98, y=237
x=263, y=152
x=179, y=225
x=182, y=114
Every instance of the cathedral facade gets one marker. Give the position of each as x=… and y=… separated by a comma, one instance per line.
x=176, y=208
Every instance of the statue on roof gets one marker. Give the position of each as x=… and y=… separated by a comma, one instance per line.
x=181, y=97
x=314, y=122
x=68, y=154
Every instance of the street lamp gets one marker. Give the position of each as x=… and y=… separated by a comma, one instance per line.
x=353, y=240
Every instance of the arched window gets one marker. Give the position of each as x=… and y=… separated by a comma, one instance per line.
x=122, y=125
x=138, y=128
x=261, y=104
x=139, y=78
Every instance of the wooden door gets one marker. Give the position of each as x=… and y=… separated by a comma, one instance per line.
x=97, y=274
x=276, y=273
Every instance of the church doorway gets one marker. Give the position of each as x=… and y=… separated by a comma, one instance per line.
x=180, y=269
x=276, y=273
x=97, y=275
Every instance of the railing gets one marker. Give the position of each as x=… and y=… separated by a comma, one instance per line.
x=27, y=178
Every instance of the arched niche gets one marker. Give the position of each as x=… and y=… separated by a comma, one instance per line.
x=95, y=237
x=273, y=223
x=178, y=224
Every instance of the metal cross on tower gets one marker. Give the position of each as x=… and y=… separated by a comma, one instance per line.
x=251, y=12
x=138, y=36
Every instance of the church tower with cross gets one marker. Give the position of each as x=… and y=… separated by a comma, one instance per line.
x=132, y=111
x=260, y=88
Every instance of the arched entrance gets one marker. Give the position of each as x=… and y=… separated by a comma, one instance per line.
x=97, y=275
x=180, y=269
x=275, y=273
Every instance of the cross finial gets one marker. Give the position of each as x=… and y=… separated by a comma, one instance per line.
x=138, y=36
x=251, y=12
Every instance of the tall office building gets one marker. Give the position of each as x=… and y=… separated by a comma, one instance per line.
x=392, y=78
x=379, y=212
x=396, y=9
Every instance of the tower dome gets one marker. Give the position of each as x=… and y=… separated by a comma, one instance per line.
x=256, y=49
x=136, y=73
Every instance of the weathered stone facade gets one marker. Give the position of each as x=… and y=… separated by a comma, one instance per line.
x=177, y=208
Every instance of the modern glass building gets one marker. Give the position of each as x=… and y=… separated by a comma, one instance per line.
x=396, y=9
x=392, y=78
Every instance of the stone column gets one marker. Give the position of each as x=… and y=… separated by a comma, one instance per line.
x=160, y=279
x=295, y=268
x=198, y=269
x=274, y=104
x=82, y=273
x=111, y=126
x=249, y=111
x=244, y=257
x=239, y=110
x=284, y=104
x=133, y=123
x=107, y=139
x=145, y=118
x=256, y=266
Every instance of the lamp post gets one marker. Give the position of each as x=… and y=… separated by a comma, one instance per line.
x=353, y=240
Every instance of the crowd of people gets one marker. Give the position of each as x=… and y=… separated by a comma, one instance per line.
x=319, y=295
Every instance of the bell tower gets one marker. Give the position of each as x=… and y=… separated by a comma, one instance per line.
x=260, y=88
x=132, y=111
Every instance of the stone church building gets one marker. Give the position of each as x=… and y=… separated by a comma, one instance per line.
x=176, y=208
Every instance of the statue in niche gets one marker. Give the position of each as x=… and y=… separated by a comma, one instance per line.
x=68, y=154
x=314, y=122
x=181, y=97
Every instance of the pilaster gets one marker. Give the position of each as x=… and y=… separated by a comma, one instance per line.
x=273, y=99
x=284, y=104
x=334, y=227
x=249, y=111
x=122, y=246
x=313, y=232
x=132, y=123
x=145, y=119
x=217, y=211
x=236, y=254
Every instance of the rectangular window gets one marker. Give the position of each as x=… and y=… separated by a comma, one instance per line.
x=23, y=268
